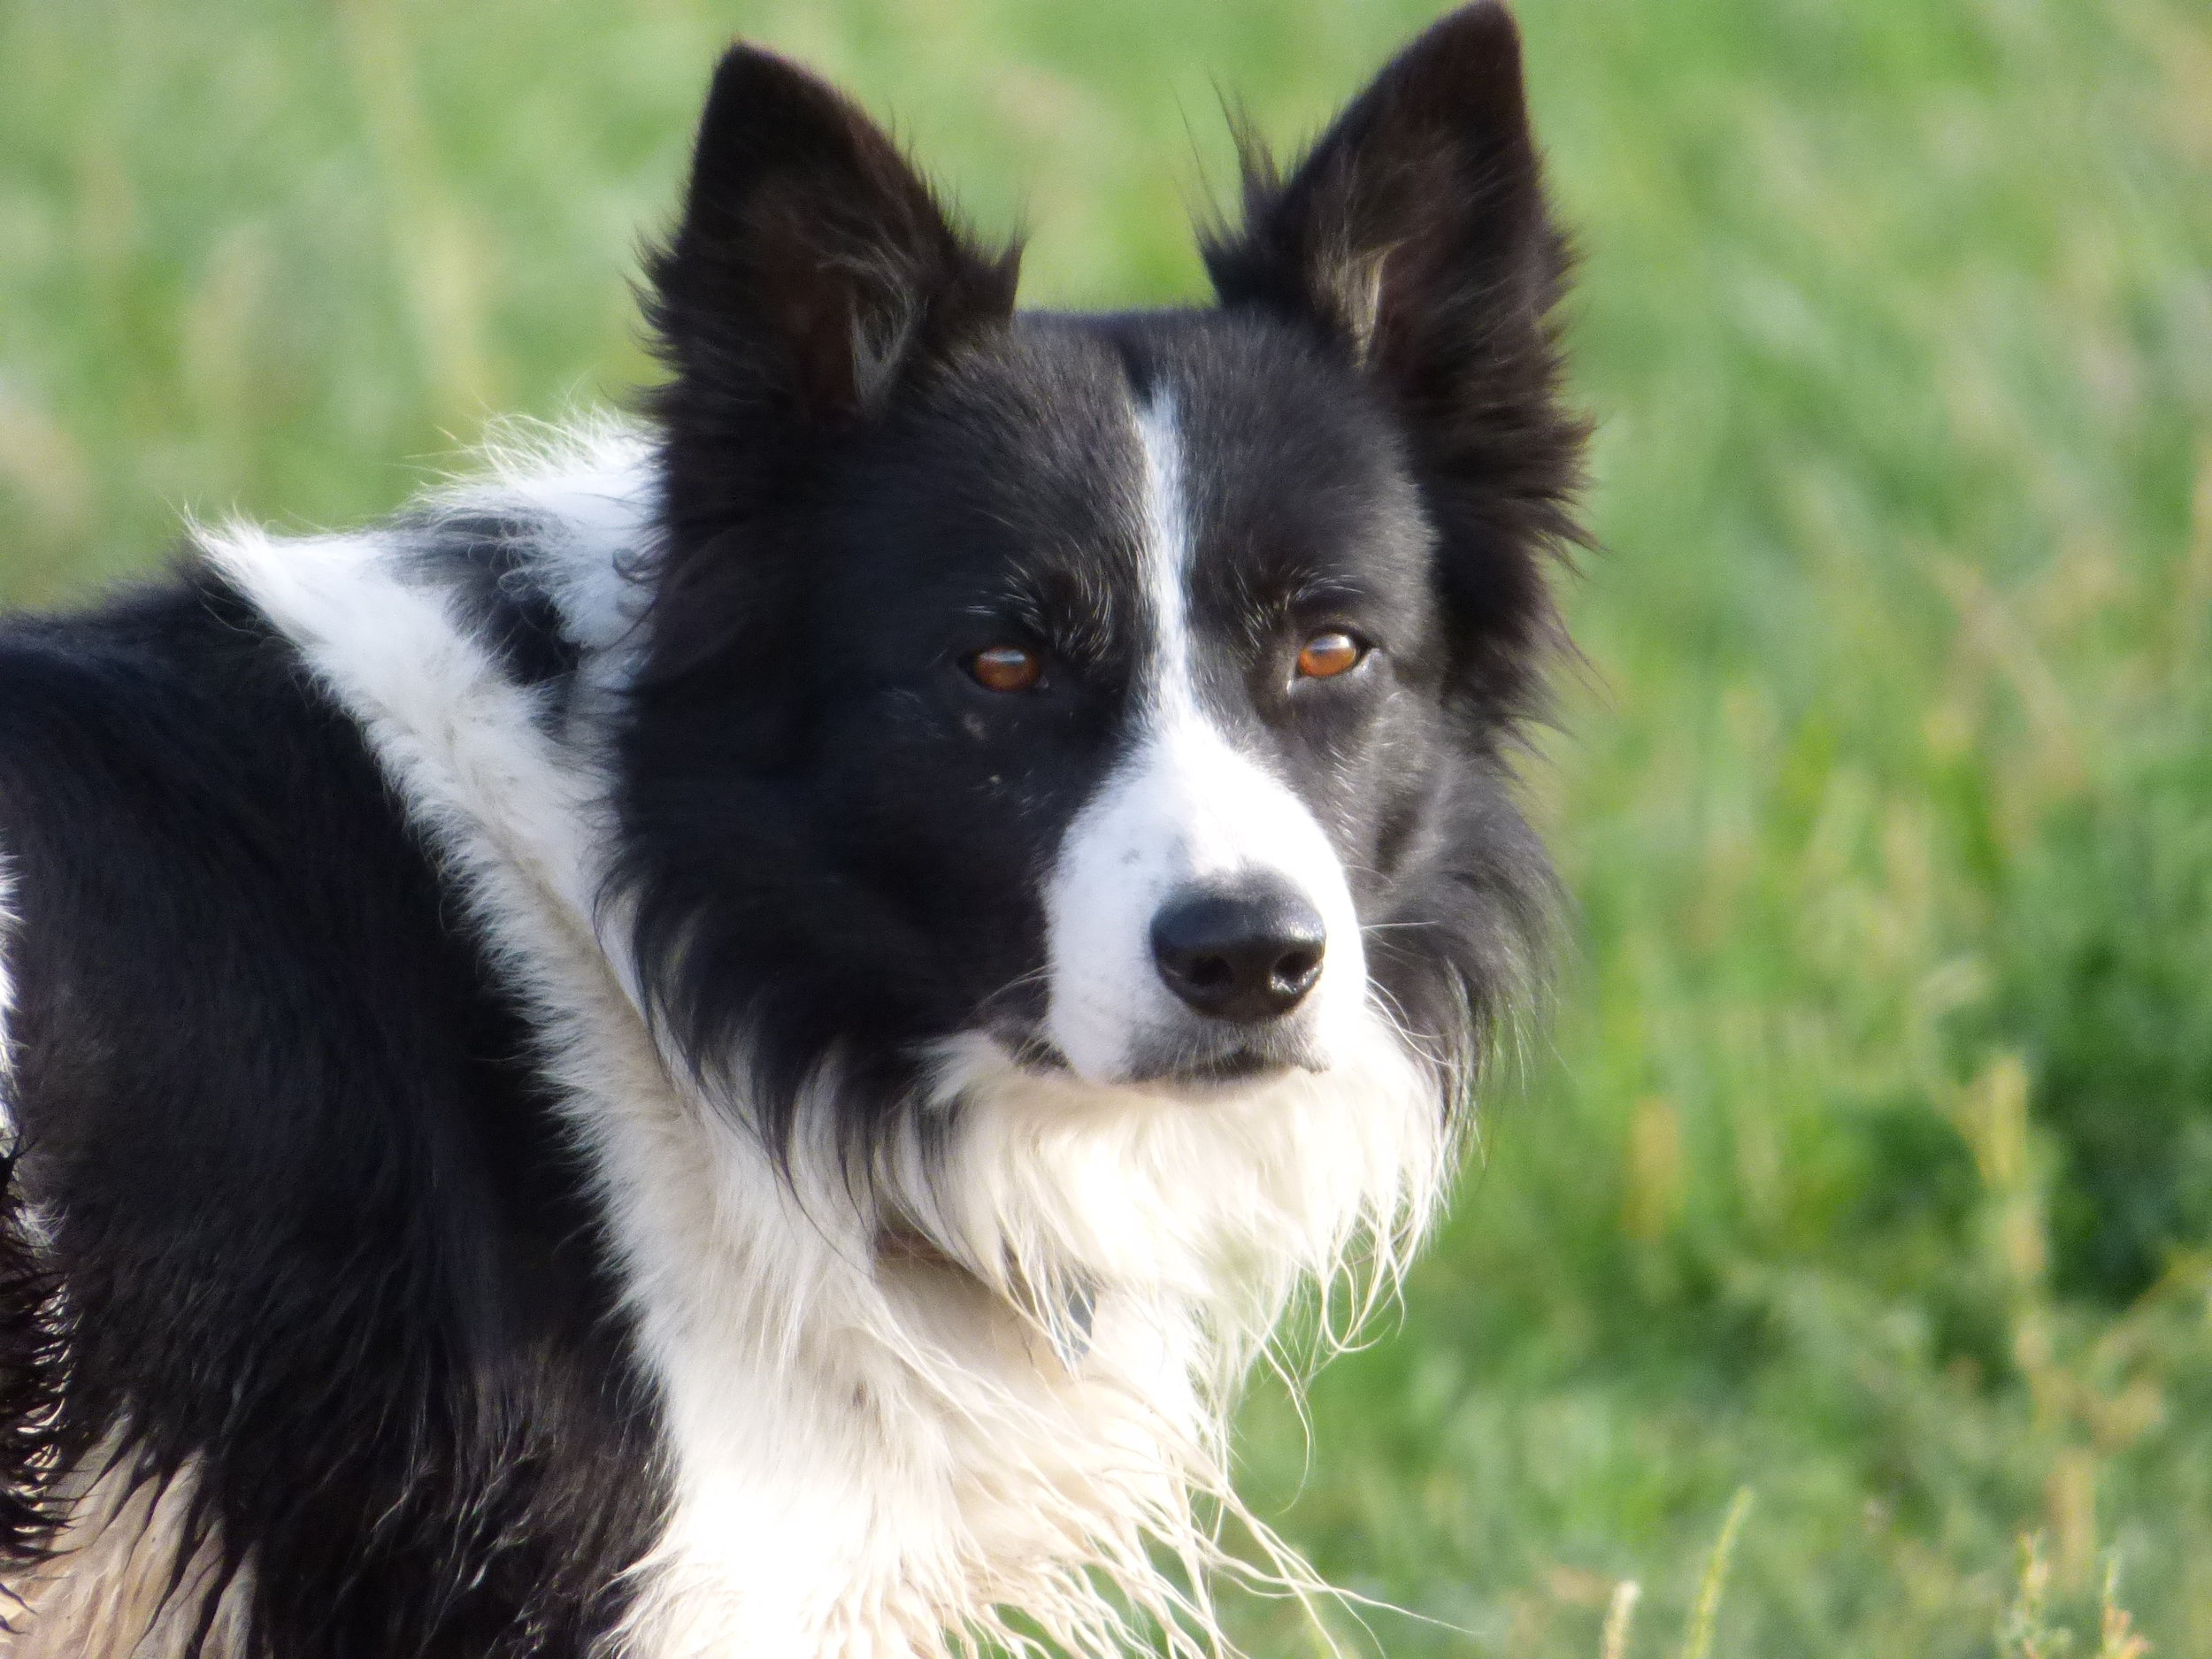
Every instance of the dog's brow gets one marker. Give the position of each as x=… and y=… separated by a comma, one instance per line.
x=1061, y=604
x=1315, y=591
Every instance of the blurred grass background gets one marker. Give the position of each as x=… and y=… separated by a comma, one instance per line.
x=1867, y=1161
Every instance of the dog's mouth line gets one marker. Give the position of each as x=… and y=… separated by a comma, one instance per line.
x=1243, y=1061
x=1240, y=1064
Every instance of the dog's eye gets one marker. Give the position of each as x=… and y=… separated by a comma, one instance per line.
x=1006, y=668
x=1327, y=655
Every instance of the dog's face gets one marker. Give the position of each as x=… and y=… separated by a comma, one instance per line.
x=1126, y=690
x=1141, y=667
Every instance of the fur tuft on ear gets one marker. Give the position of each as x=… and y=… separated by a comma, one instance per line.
x=1414, y=239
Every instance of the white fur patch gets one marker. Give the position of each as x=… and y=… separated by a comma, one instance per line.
x=116, y=1585
x=866, y=1454
x=1184, y=809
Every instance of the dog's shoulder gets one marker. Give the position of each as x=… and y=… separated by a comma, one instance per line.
x=278, y=1133
x=173, y=707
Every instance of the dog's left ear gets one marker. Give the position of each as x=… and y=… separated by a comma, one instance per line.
x=1414, y=242
x=813, y=269
x=1417, y=223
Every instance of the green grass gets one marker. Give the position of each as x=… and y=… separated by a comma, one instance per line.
x=1865, y=1163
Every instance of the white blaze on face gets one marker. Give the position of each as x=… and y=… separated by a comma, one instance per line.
x=1186, y=807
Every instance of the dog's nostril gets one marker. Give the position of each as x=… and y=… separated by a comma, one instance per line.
x=1247, y=953
x=1211, y=971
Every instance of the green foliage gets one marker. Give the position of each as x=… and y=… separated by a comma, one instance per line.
x=1865, y=1162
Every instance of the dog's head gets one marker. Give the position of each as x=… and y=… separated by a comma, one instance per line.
x=1124, y=695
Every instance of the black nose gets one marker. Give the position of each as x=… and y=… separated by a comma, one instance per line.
x=1246, y=953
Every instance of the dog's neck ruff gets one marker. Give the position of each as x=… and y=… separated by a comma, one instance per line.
x=1006, y=1391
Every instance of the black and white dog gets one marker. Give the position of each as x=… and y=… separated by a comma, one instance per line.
x=725, y=1043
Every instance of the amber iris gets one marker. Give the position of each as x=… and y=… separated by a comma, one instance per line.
x=1006, y=668
x=1328, y=655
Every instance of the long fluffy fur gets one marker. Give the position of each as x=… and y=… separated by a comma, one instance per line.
x=1133, y=1231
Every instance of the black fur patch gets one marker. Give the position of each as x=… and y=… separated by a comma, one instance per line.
x=321, y=1236
x=486, y=565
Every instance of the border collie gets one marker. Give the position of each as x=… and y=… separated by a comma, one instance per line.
x=726, y=1041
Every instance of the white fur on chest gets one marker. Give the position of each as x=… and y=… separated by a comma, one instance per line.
x=863, y=1454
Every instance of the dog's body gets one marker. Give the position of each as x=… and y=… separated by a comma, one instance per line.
x=726, y=1042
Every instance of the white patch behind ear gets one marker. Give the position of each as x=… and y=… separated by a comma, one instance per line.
x=589, y=494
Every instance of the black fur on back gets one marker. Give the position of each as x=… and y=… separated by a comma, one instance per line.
x=322, y=1238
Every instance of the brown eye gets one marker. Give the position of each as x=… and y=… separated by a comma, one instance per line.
x=1006, y=668
x=1328, y=655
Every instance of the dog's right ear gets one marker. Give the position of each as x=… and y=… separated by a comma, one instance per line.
x=813, y=278
x=813, y=269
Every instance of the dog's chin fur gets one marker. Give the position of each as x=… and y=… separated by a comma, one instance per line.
x=870, y=1446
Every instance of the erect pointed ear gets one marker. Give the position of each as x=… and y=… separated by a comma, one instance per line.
x=813, y=268
x=1414, y=233
x=1414, y=241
